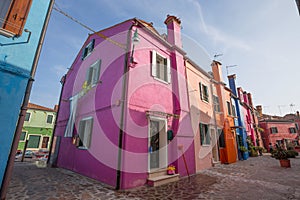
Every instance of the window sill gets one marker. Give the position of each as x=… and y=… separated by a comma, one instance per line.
x=6, y=33
x=82, y=148
x=160, y=80
x=205, y=145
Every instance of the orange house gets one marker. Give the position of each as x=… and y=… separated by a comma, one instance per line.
x=225, y=115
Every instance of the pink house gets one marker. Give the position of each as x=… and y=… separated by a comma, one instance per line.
x=249, y=115
x=124, y=114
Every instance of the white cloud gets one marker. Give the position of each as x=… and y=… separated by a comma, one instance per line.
x=216, y=35
x=59, y=70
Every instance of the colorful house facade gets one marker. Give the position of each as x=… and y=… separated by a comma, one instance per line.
x=278, y=130
x=22, y=29
x=225, y=115
x=239, y=122
x=202, y=114
x=132, y=103
x=38, y=128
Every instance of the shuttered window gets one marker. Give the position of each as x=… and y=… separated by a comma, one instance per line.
x=13, y=14
x=93, y=73
x=34, y=141
x=204, y=134
x=88, y=49
x=85, y=132
x=160, y=67
x=204, y=94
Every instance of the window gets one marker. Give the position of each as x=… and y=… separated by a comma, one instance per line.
x=49, y=119
x=216, y=104
x=23, y=136
x=27, y=116
x=229, y=109
x=292, y=130
x=221, y=138
x=161, y=69
x=297, y=126
x=204, y=95
x=274, y=130
x=13, y=14
x=204, y=134
x=88, y=49
x=233, y=110
x=93, y=72
x=85, y=132
x=34, y=141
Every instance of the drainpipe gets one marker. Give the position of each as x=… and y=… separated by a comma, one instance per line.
x=11, y=159
x=53, y=164
x=215, y=120
x=123, y=102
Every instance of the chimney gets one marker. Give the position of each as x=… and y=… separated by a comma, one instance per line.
x=56, y=108
x=250, y=99
x=259, y=110
x=297, y=113
x=217, y=70
x=231, y=80
x=174, y=30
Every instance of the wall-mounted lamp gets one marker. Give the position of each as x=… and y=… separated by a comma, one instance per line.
x=135, y=41
x=14, y=43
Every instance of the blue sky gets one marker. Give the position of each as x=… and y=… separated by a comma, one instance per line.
x=260, y=37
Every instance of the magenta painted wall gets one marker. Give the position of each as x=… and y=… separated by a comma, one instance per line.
x=102, y=102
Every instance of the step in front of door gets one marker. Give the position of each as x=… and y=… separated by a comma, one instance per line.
x=161, y=180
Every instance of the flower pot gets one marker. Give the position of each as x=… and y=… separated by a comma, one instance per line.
x=170, y=172
x=285, y=163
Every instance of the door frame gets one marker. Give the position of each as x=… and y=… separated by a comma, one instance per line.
x=163, y=152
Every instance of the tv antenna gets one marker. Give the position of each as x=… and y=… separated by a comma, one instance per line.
x=229, y=67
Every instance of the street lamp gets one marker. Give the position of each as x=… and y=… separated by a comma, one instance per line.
x=135, y=41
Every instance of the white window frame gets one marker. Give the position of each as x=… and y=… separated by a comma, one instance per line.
x=216, y=102
x=29, y=117
x=275, y=130
x=51, y=119
x=203, y=141
x=93, y=73
x=154, y=68
x=202, y=88
x=26, y=133
x=85, y=136
x=28, y=137
x=88, y=49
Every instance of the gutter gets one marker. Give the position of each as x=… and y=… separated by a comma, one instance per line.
x=11, y=159
x=123, y=102
x=51, y=161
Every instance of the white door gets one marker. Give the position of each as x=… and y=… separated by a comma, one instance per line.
x=157, y=144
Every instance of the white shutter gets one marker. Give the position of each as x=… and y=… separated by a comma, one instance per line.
x=168, y=71
x=201, y=92
x=89, y=75
x=88, y=132
x=153, y=64
x=96, y=72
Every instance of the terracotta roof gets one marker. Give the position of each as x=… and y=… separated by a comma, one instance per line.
x=38, y=107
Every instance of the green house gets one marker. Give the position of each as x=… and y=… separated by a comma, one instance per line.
x=38, y=127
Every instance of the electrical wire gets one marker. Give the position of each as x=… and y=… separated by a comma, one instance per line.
x=56, y=8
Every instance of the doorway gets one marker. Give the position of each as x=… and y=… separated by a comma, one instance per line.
x=157, y=142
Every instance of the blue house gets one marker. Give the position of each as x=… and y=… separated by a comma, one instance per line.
x=239, y=122
x=22, y=28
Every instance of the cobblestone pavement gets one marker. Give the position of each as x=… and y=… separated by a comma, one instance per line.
x=256, y=178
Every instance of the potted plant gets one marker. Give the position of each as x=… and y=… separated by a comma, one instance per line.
x=283, y=157
x=171, y=170
x=243, y=150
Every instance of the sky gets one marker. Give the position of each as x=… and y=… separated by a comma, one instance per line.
x=260, y=37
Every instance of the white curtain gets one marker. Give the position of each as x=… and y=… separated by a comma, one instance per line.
x=71, y=122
